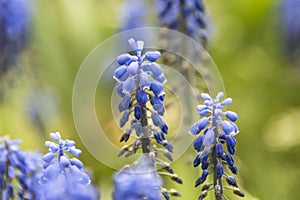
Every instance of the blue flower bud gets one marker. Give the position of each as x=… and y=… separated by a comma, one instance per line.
x=77, y=163
x=204, y=156
x=152, y=55
x=235, y=127
x=202, y=123
x=159, y=108
x=227, y=101
x=205, y=165
x=120, y=73
x=162, y=79
x=123, y=59
x=194, y=130
x=165, y=128
x=233, y=169
x=198, y=143
x=227, y=127
x=156, y=70
x=231, y=116
x=229, y=159
x=119, y=90
x=133, y=68
x=145, y=81
x=200, y=108
x=48, y=157
x=64, y=161
x=142, y=98
x=55, y=136
x=219, y=150
x=157, y=88
x=209, y=138
x=168, y=146
x=219, y=96
x=162, y=97
x=138, y=112
x=156, y=119
x=205, y=96
x=128, y=85
x=231, y=181
x=159, y=137
x=220, y=170
x=138, y=129
x=202, y=178
x=69, y=143
x=203, y=112
x=231, y=149
x=124, y=118
x=230, y=140
x=124, y=103
x=75, y=152
x=197, y=160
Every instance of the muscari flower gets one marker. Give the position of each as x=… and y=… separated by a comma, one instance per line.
x=140, y=84
x=63, y=176
x=187, y=16
x=215, y=142
x=19, y=171
x=14, y=26
x=139, y=181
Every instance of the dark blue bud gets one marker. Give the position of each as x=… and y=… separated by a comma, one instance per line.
x=2, y=168
x=162, y=97
x=227, y=127
x=231, y=116
x=157, y=88
x=229, y=159
x=168, y=146
x=138, y=112
x=231, y=149
x=203, y=112
x=123, y=59
x=205, y=165
x=231, y=181
x=204, y=156
x=124, y=103
x=152, y=55
x=220, y=170
x=197, y=160
x=202, y=178
x=230, y=140
x=157, y=105
x=235, y=127
x=120, y=73
x=165, y=128
x=198, y=143
x=124, y=118
x=159, y=137
x=10, y=191
x=219, y=150
x=233, y=169
x=142, y=98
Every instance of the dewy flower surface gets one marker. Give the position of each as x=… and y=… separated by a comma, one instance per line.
x=215, y=142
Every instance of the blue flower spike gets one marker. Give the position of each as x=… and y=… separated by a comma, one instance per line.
x=64, y=177
x=140, y=84
x=215, y=141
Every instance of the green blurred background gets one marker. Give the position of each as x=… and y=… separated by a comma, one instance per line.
x=246, y=45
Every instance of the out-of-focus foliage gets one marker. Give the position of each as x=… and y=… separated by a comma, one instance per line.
x=247, y=46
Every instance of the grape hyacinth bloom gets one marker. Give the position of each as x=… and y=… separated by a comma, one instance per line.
x=140, y=84
x=63, y=176
x=215, y=142
x=139, y=181
x=186, y=16
x=14, y=26
x=18, y=174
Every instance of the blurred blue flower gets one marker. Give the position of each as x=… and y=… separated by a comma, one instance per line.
x=64, y=177
x=291, y=28
x=187, y=16
x=139, y=181
x=19, y=171
x=218, y=130
x=14, y=28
